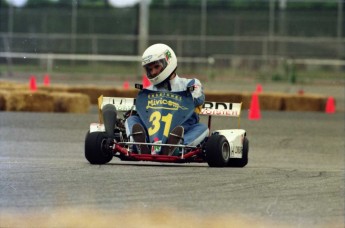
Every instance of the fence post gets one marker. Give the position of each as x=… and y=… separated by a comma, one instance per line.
x=49, y=63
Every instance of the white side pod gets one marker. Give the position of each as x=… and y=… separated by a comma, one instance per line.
x=235, y=138
x=97, y=127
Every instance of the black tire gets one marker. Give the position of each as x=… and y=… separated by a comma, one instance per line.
x=241, y=162
x=217, y=151
x=109, y=119
x=95, y=151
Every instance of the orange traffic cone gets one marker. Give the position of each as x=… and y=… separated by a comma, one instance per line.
x=125, y=85
x=330, y=105
x=146, y=82
x=33, y=86
x=258, y=88
x=254, y=111
x=46, y=80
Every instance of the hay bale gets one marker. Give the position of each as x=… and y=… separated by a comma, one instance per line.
x=94, y=92
x=304, y=103
x=71, y=102
x=235, y=97
x=29, y=101
x=284, y=102
x=13, y=86
x=7, y=83
x=64, y=102
x=53, y=88
x=126, y=93
x=267, y=101
x=271, y=101
x=3, y=99
x=246, y=99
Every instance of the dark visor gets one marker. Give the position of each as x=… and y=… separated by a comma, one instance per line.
x=149, y=66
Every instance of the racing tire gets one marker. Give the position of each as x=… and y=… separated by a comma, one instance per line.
x=217, y=151
x=95, y=151
x=241, y=162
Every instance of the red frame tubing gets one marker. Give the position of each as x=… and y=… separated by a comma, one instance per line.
x=120, y=149
x=158, y=158
x=191, y=153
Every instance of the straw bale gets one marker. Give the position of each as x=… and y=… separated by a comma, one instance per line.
x=304, y=102
x=246, y=99
x=16, y=96
x=3, y=99
x=94, y=92
x=234, y=97
x=126, y=92
x=71, y=102
x=271, y=101
x=5, y=82
x=53, y=88
x=13, y=86
x=30, y=102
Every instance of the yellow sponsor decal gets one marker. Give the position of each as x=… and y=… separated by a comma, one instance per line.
x=165, y=95
x=164, y=100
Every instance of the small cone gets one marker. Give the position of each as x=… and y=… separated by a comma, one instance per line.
x=125, y=85
x=146, y=82
x=46, y=80
x=254, y=111
x=330, y=105
x=258, y=88
x=300, y=92
x=33, y=86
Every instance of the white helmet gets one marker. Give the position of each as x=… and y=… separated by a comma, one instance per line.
x=165, y=56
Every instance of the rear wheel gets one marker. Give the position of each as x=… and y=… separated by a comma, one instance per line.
x=96, y=151
x=217, y=151
x=241, y=162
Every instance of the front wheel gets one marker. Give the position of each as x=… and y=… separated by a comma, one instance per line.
x=217, y=151
x=95, y=148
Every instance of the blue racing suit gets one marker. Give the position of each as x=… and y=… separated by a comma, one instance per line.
x=194, y=132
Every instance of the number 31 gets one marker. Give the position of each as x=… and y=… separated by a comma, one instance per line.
x=156, y=118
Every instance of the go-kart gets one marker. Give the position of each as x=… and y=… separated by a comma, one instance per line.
x=161, y=112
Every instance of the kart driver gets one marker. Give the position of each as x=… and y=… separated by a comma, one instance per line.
x=160, y=64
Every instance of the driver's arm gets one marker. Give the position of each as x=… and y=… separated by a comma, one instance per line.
x=198, y=92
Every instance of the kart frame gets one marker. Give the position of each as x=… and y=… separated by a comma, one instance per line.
x=221, y=148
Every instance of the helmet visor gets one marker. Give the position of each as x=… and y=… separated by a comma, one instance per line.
x=154, y=69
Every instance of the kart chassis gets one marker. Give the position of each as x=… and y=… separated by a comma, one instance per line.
x=119, y=145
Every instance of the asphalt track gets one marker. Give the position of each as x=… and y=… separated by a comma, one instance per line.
x=295, y=174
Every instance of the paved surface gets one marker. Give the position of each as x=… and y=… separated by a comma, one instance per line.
x=295, y=174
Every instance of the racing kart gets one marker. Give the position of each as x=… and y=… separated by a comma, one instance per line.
x=161, y=112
